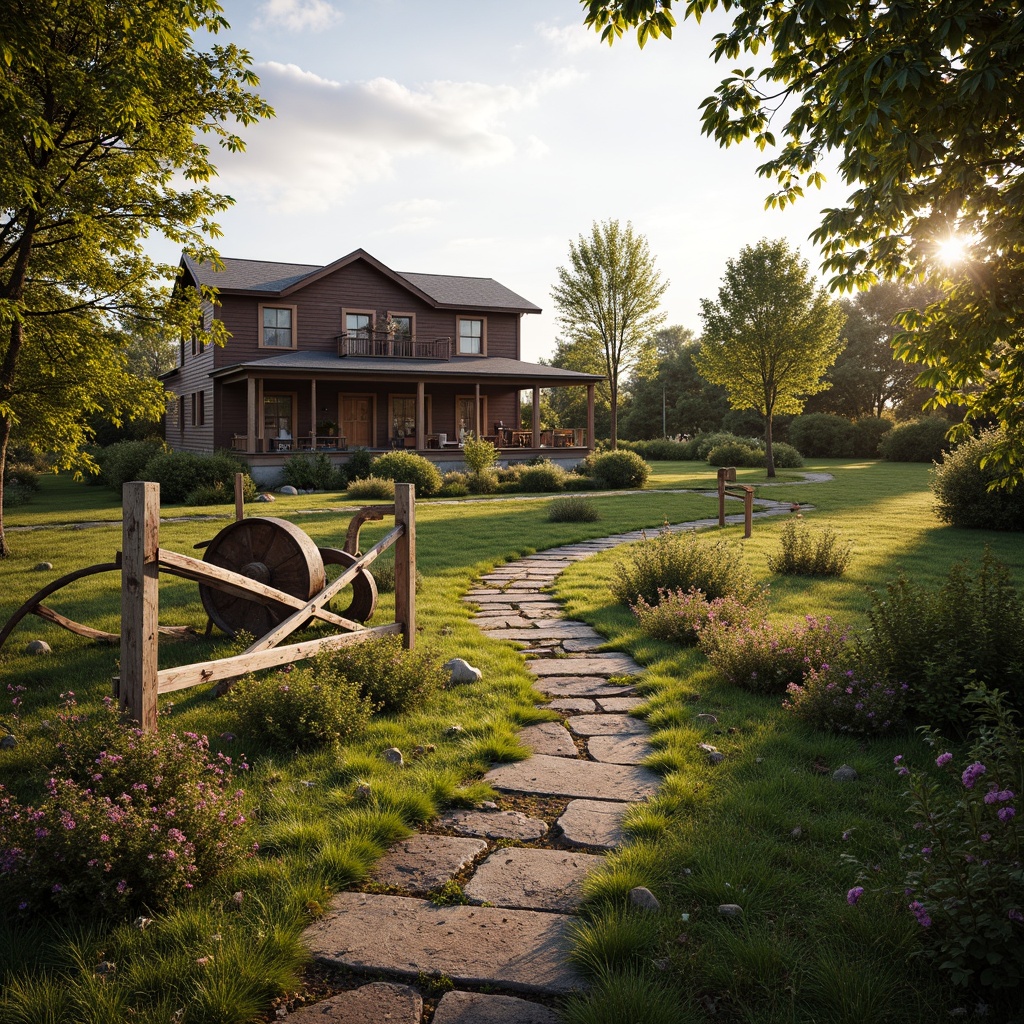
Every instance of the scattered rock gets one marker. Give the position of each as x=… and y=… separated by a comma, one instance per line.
x=796, y=833
x=42, y=567
x=394, y=756
x=462, y=672
x=264, y=498
x=845, y=773
x=454, y=730
x=287, y=489
x=488, y=805
x=730, y=910
x=9, y=742
x=643, y=899
x=363, y=791
x=713, y=754
x=707, y=719
x=662, y=964
x=105, y=967
x=37, y=647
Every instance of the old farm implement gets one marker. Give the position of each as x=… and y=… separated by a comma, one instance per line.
x=262, y=576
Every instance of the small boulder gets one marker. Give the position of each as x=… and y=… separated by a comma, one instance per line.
x=454, y=730
x=730, y=910
x=713, y=754
x=363, y=791
x=9, y=742
x=845, y=773
x=264, y=498
x=462, y=672
x=707, y=719
x=643, y=899
x=42, y=567
x=287, y=489
x=487, y=805
x=37, y=647
x=394, y=756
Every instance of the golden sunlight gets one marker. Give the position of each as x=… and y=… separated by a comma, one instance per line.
x=952, y=250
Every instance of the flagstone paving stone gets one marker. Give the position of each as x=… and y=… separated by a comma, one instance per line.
x=556, y=630
x=612, y=664
x=563, y=776
x=581, y=686
x=425, y=862
x=594, y=823
x=485, y=1008
x=379, y=1001
x=516, y=950
x=576, y=705
x=549, y=738
x=575, y=646
x=619, y=704
x=494, y=824
x=606, y=725
x=532, y=879
x=619, y=749
x=513, y=620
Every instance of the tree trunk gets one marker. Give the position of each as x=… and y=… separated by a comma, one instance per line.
x=5, y=434
x=769, y=456
x=615, y=414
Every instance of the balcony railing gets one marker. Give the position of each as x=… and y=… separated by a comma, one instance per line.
x=389, y=346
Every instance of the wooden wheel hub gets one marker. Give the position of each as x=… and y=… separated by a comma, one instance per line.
x=256, y=571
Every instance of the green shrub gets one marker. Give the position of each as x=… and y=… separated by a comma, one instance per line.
x=454, y=485
x=312, y=472
x=358, y=465
x=409, y=468
x=478, y=454
x=658, y=450
x=126, y=461
x=372, y=487
x=545, y=476
x=821, y=435
x=680, y=615
x=700, y=447
x=786, y=456
x=867, y=435
x=396, y=680
x=681, y=561
x=961, y=488
x=618, y=469
x=483, y=482
x=509, y=474
x=766, y=658
x=834, y=699
x=579, y=483
x=736, y=453
x=803, y=552
x=572, y=510
x=919, y=441
x=129, y=821
x=223, y=493
x=942, y=641
x=21, y=474
x=181, y=473
x=300, y=706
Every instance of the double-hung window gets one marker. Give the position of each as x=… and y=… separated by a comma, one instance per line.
x=472, y=336
x=277, y=327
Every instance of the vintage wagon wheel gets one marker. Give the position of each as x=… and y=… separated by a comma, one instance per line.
x=364, y=586
x=272, y=551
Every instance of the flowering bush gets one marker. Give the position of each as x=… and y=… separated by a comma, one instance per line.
x=127, y=820
x=831, y=698
x=964, y=879
x=680, y=615
x=765, y=657
x=802, y=553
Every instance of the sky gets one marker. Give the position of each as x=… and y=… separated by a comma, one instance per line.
x=479, y=138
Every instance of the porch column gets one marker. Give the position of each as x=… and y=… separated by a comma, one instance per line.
x=536, y=417
x=250, y=414
x=312, y=414
x=478, y=427
x=260, y=428
x=421, y=417
x=590, y=417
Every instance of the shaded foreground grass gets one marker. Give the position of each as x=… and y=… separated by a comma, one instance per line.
x=224, y=955
x=768, y=828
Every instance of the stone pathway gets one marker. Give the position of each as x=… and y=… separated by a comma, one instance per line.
x=514, y=935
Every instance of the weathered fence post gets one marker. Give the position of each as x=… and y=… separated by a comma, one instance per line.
x=140, y=601
x=239, y=496
x=748, y=511
x=405, y=562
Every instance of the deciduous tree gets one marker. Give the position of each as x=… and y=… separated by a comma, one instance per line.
x=771, y=335
x=104, y=105
x=923, y=104
x=608, y=303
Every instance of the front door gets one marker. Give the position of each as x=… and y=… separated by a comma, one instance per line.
x=357, y=420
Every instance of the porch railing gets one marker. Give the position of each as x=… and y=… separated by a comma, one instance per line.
x=391, y=347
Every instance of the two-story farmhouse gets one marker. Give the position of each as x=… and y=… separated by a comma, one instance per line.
x=355, y=354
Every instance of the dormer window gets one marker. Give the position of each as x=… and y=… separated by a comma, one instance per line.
x=277, y=327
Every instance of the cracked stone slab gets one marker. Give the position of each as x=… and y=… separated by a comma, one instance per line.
x=565, y=776
x=619, y=704
x=425, y=862
x=581, y=686
x=483, y=1008
x=612, y=664
x=510, y=621
x=549, y=738
x=379, y=1001
x=517, y=950
x=594, y=823
x=606, y=725
x=494, y=824
x=618, y=749
x=552, y=629
x=576, y=705
x=532, y=879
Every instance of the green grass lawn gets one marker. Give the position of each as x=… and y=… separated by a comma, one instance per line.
x=799, y=953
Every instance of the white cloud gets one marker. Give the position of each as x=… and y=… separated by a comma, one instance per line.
x=328, y=137
x=568, y=38
x=297, y=15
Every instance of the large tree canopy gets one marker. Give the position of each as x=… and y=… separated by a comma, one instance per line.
x=103, y=109
x=771, y=335
x=924, y=105
x=608, y=303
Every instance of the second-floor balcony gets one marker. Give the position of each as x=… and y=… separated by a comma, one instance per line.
x=393, y=346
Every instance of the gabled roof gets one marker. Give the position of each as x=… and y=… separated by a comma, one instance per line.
x=442, y=291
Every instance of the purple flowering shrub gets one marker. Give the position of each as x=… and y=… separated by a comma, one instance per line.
x=963, y=873
x=765, y=657
x=127, y=820
x=842, y=700
x=680, y=615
